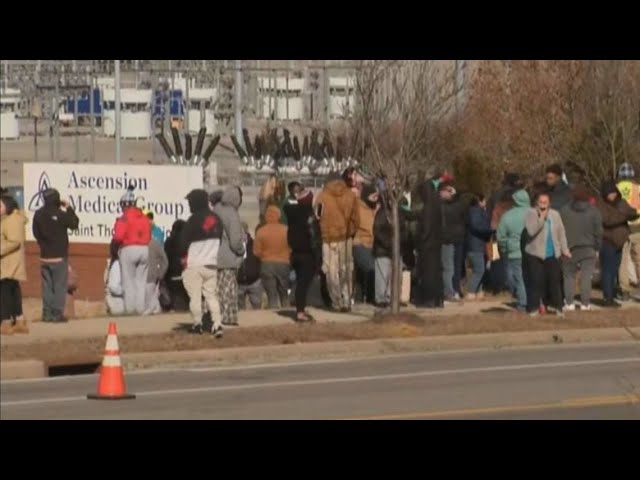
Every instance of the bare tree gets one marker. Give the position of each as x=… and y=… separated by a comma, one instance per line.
x=395, y=128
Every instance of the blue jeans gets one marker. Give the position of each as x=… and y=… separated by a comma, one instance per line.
x=477, y=271
x=515, y=280
x=610, y=259
x=458, y=266
x=448, y=269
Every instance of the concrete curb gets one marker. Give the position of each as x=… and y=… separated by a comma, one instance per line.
x=19, y=369
x=12, y=370
x=355, y=348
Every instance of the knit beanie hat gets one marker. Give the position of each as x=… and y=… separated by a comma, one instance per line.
x=129, y=198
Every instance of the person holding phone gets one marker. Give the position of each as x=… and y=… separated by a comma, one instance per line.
x=546, y=243
x=51, y=225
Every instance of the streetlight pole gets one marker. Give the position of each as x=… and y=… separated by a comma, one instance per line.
x=118, y=124
x=238, y=105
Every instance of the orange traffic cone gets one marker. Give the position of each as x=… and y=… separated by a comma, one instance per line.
x=111, y=384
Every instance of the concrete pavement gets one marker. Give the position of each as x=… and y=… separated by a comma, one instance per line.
x=600, y=381
x=157, y=324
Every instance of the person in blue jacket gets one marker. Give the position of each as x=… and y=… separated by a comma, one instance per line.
x=478, y=234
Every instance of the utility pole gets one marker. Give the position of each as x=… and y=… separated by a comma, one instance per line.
x=238, y=103
x=118, y=124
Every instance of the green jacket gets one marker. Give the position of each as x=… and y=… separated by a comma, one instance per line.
x=509, y=233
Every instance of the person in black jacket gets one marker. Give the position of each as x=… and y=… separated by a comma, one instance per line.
x=50, y=228
x=249, y=276
x=199, y=244
x=454, y=212
x=178, y=298
x=429, y=246
x=303, y=238
x=478, y=234
x=559, y=192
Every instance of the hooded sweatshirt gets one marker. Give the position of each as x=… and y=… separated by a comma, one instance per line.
x=366, y=215
x=271, y=243
x=615, y=216
x=339, y=217
x=51, y=225
x=583, y=225
x=132, y=228
x=560, y=195
x=511, y=225
x=301, y=222
x=232, y=246
x=200, y=237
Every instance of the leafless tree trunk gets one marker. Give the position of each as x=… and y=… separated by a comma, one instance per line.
x=400, y=106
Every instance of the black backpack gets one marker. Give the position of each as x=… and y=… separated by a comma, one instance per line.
x=249, y=270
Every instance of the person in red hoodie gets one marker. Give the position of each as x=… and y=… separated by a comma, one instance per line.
x=132, y=232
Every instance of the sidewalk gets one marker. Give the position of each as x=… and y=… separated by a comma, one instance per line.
x=159, y=324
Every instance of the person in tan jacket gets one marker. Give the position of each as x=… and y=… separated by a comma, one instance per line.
x=363, y=244
x=337, y=209
x=13, y=268
x=272, y=248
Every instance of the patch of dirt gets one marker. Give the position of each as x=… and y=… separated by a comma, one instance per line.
x=405, y=325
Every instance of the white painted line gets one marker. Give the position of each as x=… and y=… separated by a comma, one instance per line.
x=324, y=381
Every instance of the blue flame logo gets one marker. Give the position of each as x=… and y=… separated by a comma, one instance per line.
x=37, y=200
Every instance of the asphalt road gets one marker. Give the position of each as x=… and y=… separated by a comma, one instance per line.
x=558, y=382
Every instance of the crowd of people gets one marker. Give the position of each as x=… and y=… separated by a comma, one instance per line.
x=532, y=242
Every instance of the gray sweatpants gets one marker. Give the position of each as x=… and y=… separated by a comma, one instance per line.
x=254, y=291
x=134, y=263
x=54, y=290
x=583, y=259
x=275, y=280
x=383, y=280
x=152, y=299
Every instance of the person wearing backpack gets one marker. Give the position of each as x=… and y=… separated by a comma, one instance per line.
x=249, y=283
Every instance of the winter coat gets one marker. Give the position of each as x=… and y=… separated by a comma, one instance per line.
x=201, y=236
x=615, y=217
x=583, y=225
x=537, y=232
x=454, y=220
x=300, y=216
x=50, y=227
x=13, y=263
x=339, y=215
x=560, y=196
x=478, y=229
x=430, y=222
x=364, y=231
x=511, y=225
x=232, y=248
x=132, y=228
x=271, y=243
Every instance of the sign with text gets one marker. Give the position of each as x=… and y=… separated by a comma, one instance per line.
x=94, y=191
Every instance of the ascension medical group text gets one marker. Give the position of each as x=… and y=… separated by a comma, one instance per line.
x=103, y=205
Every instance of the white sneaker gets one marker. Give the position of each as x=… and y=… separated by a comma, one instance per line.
x=587, y=308
x=569, y=308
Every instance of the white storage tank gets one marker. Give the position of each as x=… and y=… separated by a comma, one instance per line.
x=9, y=128
x=135, y=113
x=201, y=102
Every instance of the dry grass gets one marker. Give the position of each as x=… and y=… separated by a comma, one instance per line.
x=405, y=325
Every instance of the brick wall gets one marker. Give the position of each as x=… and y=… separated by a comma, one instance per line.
x=87, y=259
